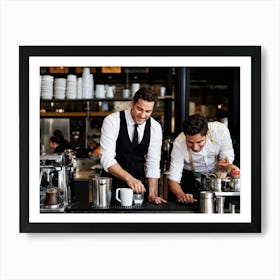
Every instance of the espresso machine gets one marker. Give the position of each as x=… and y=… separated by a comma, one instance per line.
x=56, y=182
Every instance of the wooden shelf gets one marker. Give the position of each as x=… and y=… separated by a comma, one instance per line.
x=160, y=98
x=73, y=114
x=84, y=100
x=90, y=113
x=62, y=114
x=83, y=114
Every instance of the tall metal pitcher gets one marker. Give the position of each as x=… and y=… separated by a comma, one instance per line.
x=101, y=191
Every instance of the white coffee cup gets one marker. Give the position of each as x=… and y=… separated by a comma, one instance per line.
x=124, y=196
x=110, y=92
x=134, y=88
x=100, y=91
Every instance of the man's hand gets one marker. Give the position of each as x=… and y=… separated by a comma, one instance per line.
x=224, y=163
x=186, y=198
x=156, y=199
x=135, y=184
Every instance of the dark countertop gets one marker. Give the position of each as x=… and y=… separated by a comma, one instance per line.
x=83, y=207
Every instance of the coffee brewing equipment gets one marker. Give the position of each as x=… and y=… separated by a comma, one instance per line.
x=215, y=190
x=56, y=181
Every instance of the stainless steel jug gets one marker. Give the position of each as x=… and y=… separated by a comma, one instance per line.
x=215, y=184
x=220, y=201
x=236, y=184
x=206, y=202
x=101, y=191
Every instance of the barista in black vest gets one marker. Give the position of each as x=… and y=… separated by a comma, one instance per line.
x=131, y=147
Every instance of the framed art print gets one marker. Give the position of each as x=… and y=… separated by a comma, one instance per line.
x=221, y=82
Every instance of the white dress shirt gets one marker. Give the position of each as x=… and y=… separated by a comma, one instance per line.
x=109, y=135
x=218, y=145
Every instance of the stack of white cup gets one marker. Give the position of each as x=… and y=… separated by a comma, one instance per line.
x=71, y=88
x=47, y=87
x=80, y=88
x=59, y=88
x=91, y=86
x=87, y=86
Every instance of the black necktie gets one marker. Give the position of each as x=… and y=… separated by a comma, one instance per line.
x=135, y=136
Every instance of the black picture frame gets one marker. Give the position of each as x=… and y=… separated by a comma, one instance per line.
x=251, y=52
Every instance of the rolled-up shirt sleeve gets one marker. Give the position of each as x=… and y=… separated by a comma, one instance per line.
x=177, y=159
x=223, y=138
x=108, y=139
x=154, y=151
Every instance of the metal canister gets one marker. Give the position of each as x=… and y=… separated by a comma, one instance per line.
x=236, y=184
x=102, y=192
x=214, y=184
x=220, y=201
x=232, y=208
x=206, y=202
x=218, y=184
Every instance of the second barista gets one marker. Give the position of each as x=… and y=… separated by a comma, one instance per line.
x=200, y=148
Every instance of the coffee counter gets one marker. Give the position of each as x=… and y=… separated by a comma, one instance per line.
x=169, y=207
x=83, y=202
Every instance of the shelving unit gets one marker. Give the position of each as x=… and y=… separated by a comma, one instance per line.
x=213, y=91
x=89, y=108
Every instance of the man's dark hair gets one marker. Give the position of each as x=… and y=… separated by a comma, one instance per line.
x=59, y=135
x=195, y=124
x=54, y=139
x=146, y=94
